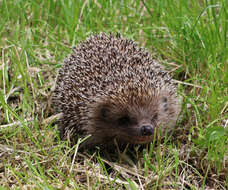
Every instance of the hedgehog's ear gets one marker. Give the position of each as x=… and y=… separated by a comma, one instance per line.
x=164, y=103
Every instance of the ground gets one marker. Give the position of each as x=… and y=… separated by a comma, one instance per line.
x=189, y=37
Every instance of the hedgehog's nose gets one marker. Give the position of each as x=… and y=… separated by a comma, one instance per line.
x=147, y=130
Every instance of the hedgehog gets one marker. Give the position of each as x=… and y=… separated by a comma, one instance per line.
x=111, y=89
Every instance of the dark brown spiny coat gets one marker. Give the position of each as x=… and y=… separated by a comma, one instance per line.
x=112, y=89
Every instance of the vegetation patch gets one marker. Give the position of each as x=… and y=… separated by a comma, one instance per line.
x=189, y=37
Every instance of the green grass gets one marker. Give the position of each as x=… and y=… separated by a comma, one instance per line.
x=190, y=37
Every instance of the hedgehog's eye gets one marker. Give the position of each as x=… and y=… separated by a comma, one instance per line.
x=125, y=120
x=104, y=112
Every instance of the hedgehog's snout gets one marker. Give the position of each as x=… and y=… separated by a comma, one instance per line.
x=147, y=130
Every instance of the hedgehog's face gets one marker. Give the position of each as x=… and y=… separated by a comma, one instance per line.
x=127, y=126
x=136, y=121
